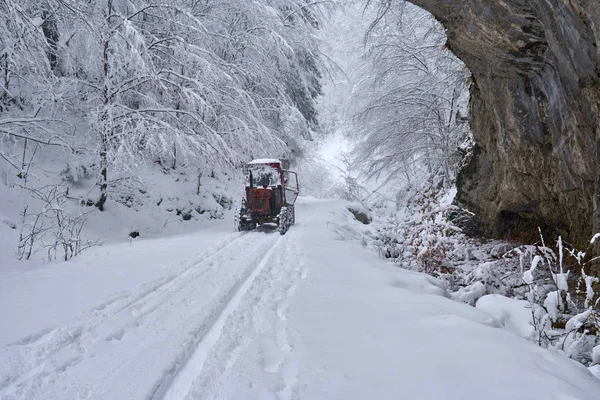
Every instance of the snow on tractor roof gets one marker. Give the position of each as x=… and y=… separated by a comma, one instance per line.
x=264, y=161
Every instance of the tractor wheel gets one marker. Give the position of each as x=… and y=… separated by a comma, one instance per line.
x=240, y=223
x=284, y=220
x=292, y=214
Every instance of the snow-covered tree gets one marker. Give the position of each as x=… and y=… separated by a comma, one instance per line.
x=29, y=98
x=410, y=115
x=209, y=84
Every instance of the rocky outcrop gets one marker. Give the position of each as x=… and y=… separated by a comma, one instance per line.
x=534, y=112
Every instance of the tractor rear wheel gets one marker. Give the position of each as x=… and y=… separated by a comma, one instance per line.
x=240, y=219
x=284, y=220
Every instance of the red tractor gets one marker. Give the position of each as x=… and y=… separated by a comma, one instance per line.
x=270, y=195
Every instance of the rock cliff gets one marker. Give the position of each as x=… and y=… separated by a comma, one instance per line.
x=535, y=99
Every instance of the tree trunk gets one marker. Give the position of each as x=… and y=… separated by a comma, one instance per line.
x=199, y=178
x=105, y=122
x=51, y=34
x=174, y=156
x=103, y=172
x=6, y=79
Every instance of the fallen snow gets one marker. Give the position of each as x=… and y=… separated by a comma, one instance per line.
x=35, y=296
x=553, y=304
x=577, y=321
x=470, y=294
x=223, y=315
x=512, y=314
x=561, y=280
x=596, y=354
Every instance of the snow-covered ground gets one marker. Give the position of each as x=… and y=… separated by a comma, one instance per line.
x=224, y=315
x=49, y=295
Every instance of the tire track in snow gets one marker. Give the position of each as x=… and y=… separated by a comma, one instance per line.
x=52, y=350
x=178, y=383
x=288, y=369
x=168, y=282
x=254, y=337
x=126, y=300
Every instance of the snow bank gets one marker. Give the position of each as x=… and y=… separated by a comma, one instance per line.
x=469, y=294
x=157, y=202
x=420, y=283
x=358, y=336
x=514, y=315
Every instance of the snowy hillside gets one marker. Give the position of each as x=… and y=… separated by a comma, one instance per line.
x=258, y=315
x=145, y=111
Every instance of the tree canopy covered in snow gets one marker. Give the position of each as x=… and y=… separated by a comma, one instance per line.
x=411, y=103
x=117, y=83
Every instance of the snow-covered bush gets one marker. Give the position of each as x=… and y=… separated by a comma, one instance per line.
x=561, y=295
x=498, y=277
x=565, y=316
x=55, y=228
x=420, y=236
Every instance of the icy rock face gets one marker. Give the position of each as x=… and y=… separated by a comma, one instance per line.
x=534, y=109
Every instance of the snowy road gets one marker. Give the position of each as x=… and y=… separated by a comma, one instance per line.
x=300, y=316
x=151, y=343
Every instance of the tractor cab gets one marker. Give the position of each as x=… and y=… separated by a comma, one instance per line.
x=270, y=194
